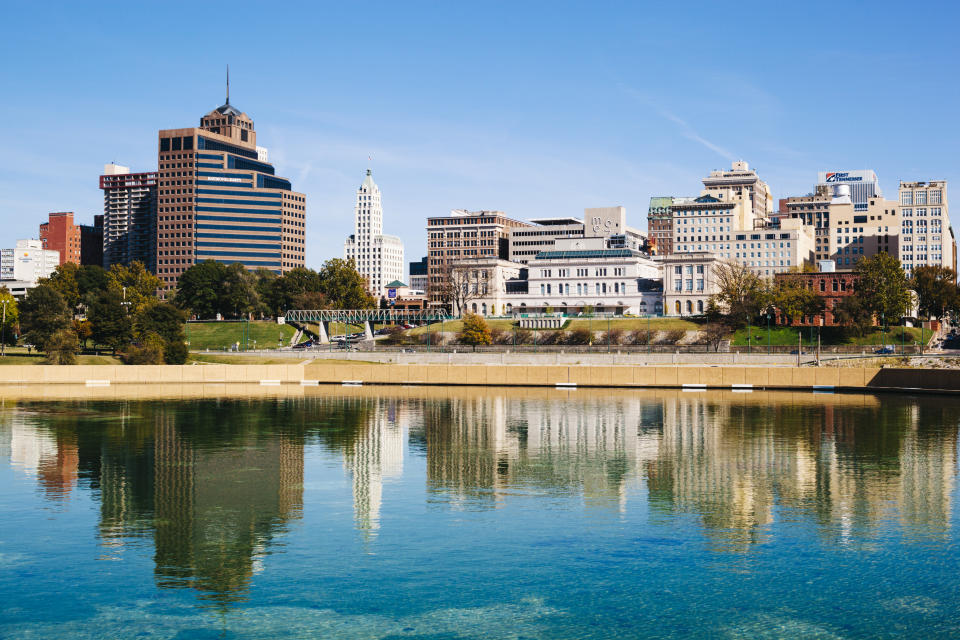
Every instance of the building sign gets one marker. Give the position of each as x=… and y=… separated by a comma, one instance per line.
x=842, y=176
x=224, y=179
x=391, y=293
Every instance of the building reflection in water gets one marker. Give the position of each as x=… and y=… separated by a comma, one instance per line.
x=212, y=484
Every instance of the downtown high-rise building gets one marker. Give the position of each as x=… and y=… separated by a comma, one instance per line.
x=217, y=201
x=60, y=234
x=926, y=237
x=129, y=217
x=378, y=257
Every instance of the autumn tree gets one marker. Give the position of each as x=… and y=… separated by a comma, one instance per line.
x=475, y=331
x=460, y=284
x=9, y=317
x=134, y=284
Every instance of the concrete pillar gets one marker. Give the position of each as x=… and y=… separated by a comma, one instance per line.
x=367, y=330
x=322, y=330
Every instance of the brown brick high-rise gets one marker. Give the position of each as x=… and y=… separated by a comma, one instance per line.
x=60, y=234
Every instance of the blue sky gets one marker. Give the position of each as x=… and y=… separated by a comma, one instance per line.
x=535, y=109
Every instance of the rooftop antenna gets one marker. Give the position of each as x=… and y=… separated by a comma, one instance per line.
x=228, y=84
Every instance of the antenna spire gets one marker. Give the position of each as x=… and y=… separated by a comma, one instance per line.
x=228, y=84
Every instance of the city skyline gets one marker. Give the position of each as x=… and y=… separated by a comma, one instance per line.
x=584, y=111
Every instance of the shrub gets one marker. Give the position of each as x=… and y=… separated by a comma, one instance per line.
x=549, y=337
x=522, y=336
x=175, y=352
x=673, y=337
x=396, y=335
x=641, y=336
x=61, y=347
x=580, y=337
x=148, y=351
x=614, y=336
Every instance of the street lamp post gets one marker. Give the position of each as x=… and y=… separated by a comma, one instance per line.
x=768, y=332
x=3, y=332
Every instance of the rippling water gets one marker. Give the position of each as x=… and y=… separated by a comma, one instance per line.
x=480, y=513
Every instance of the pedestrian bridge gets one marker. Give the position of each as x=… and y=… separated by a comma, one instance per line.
x=365, y=317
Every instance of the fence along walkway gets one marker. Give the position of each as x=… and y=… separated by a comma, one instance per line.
x=365, y=317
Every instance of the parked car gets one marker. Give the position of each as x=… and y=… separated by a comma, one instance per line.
x=885, y=350
x=304, y=345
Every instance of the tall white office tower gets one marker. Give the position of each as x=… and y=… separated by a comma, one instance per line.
x=379, y=258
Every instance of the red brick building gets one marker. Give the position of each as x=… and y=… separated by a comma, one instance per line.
x=60, y=234
x=833, y=286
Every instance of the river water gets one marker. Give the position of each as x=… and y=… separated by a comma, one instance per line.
x=480, y=513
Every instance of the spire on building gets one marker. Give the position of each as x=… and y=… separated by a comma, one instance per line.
x=228, y=85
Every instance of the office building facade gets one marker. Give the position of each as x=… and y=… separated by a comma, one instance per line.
x=129, y=217
x=926, y=236
x=741, y=184
x=419, y=274
x=378, y=257
x=463, y=235
x=60, y=234
x=91, y=242
x=217, y=201
x=854, y=234
x=660, y=223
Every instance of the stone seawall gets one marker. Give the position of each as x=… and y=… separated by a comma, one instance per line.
x=689, y=378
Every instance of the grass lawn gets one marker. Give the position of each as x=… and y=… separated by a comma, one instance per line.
x=204, y=358
x=23, y=358
x=220, y=335
x=787, y=336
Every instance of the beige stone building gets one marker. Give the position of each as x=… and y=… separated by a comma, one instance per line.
x=689, y=279
x=854, y=234
x=741, y=184
x=926, y=236
x=486, y=279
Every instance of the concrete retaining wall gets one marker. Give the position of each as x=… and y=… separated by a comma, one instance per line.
x=319, y=372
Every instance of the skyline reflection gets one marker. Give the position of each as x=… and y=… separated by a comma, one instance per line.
x=214, y=486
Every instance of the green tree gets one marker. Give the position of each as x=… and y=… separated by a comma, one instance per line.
x=343, y=285
x=10, y=325
x=238, y=295
x=199, y=288
x=43, y=313
x=853, y=315
x=475, y=331
x=61, y=346
x=936, y=288
x=91, y=278
x=287, y=288
x=167, y=322
x=266, y=284
x=110, y=321
x=64, y=280
x=134, y=284
x=882, y=287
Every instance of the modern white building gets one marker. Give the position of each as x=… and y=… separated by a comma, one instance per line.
x=864, y=185
x=583, y=274
x=28, y=262
x=379, y=258
x=609, y=223
x=926, y=237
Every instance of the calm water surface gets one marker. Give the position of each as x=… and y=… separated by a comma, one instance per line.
x=449, y=513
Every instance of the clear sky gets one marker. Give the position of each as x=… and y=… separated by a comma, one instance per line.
x=536, y=109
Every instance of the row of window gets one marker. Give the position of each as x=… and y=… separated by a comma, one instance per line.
x=583, y=289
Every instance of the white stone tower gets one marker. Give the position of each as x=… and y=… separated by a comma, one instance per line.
x=379, y=258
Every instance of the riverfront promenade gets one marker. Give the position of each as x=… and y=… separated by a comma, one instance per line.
x=741, y=378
